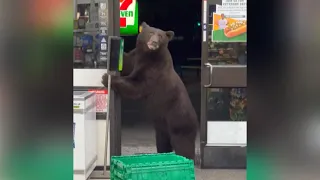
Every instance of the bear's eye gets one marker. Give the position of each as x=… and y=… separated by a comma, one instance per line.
x=151, y=33
x=160, y=36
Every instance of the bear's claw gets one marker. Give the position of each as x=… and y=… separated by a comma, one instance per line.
x=105, y=80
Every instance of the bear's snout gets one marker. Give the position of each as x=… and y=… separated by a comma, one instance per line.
x=153, y=43
x=154, y=38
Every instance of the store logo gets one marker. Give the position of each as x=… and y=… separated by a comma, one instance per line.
x=125, y=12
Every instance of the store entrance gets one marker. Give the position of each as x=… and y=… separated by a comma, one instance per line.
x=96, y=22
x=137, y=131
x=223, y=85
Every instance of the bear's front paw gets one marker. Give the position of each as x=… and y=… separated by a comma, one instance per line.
x=115, y=82
x=105, y=80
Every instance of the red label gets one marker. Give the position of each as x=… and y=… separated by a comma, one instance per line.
x=103, y=91
x=101, y=103
x=101, y=99
x=124, y=6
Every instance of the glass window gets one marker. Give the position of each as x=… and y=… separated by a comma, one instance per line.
x=227, y=104
x=227, y=53
x=86, y=38
x=223, y=51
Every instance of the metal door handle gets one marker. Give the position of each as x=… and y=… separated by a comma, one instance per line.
x=210, y=74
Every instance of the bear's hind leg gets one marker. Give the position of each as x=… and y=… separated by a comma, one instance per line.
x=184, y=145
x=163, y=142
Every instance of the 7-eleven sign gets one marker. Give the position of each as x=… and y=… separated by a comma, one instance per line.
x=128, y=17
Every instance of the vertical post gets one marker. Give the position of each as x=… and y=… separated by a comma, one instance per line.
x=103, y=25
x=75, y=7
x=204, y=59
x=115, y=118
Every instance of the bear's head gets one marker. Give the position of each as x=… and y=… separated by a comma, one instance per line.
x=152, y=39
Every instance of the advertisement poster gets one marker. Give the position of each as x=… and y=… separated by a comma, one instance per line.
x=230, y=21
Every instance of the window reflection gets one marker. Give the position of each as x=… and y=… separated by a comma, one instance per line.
x=227, y=104
x=227, y=53
x=86, y=38
x=224, y=52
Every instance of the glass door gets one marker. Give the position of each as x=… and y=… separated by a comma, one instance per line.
x=94, y=22
x=223, y=84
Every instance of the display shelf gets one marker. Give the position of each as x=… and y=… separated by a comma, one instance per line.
x=225, y=53
x=221, y=59
x=217, y=50
x=86, y=30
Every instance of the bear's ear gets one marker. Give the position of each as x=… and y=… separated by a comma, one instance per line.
x=144, y=25
x=170, y=35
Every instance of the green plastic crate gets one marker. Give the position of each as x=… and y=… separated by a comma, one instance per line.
x=165, y=166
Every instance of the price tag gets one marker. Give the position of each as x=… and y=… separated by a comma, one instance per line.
x=104, y=46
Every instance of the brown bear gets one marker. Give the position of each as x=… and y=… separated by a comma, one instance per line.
x=128, y=62
x=154, y=80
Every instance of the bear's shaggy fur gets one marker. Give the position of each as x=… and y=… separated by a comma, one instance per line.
x=154, y=79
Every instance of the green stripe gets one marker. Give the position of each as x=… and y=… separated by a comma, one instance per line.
x=120, y=65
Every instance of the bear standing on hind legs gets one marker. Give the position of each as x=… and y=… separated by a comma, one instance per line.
x=154, y=80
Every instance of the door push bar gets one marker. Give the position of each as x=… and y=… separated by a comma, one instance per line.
x=219, y=66
x=210, y=74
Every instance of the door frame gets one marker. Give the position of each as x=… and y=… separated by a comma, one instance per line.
x=224, y=154
x=115, y=100
x=115, y=109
